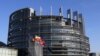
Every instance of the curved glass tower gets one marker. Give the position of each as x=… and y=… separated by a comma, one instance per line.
x=63, y=36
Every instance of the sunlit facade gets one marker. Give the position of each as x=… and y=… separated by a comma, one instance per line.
x=63, y=36
x=5, y=51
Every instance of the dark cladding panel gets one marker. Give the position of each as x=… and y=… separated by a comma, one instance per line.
x=23, y=13
x=81, y=24
x=75, y=15
x=69, y=18
x=69, y=13
x=80, y=18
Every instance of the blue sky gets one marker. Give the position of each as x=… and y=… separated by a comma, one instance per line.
x=89, y=8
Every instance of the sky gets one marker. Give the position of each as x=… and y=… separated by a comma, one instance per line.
x=89, y=8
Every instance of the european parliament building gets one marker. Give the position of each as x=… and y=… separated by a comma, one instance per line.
x=64, y=36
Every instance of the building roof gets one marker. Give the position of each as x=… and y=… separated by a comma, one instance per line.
x=2, y=44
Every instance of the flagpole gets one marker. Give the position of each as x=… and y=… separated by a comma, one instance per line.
x=51, y=20
x=60, y=13
x=60, y=9
x=40, y=51
x=40, y=19
x=51, y=10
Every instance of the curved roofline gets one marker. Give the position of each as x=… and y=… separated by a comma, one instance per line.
x=31, y=9
x=2, y=44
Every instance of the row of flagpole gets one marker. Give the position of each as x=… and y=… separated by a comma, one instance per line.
x=51, y=13
x=51, y=9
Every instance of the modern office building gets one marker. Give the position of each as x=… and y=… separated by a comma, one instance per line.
x=94, y=54
x=64, y=36
x=5, y=51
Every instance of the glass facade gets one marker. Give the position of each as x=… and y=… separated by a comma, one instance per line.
x=61, y=38
x=18, y=31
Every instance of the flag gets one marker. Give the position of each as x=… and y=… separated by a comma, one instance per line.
x=39, y=39
x=41, y=42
